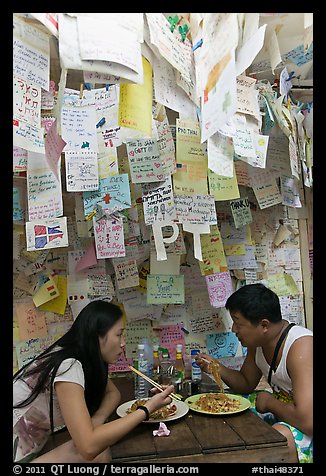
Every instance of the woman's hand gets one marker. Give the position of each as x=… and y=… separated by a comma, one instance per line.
x=202, y=364
x=160, y=399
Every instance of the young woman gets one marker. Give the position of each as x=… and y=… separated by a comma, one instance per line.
x=68, y=385
x=257, y=321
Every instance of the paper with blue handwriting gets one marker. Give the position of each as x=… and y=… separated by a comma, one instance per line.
x=195, y=209
x=158, y=201
x=43, y=188
x=145, y=161
x=223, y=344
x=78, y=128
x=243, y=261
x=81, y=171
x=290, y=191
x=31, y=53
x=112, y=195
x=27, y=136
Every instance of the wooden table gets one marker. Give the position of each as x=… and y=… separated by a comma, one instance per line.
x=200, y=438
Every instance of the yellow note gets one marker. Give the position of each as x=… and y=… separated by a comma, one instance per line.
x=237, y=249
x=214, y=260
x=46, y=292
x=58, y=304
x=283, y=284
x=223, y=188
x=190, y=177
x=135, y=106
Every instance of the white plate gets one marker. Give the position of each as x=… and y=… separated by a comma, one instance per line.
x=182, y=410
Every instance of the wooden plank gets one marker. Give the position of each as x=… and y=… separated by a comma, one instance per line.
x=267, y=455
x=181, y=440
x=260, y=433
x=213, y=433
x=139, y=442
x=306, y=273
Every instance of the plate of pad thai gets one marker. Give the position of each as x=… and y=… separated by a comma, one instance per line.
x=217, y=403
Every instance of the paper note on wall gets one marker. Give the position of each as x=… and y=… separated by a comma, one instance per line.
x=219, y=286
x=213, y=254
x=58, y=304
x=109, y=237
x=170, y=336
x=46, y=292
x=27, y=350
x=46, y=234
x=81, y=171
x=135, y=105
x=165, y=289
x=241, y=212
x=26, y=102
x=126, y=272
x=31, y=53
x=112, y=195
x=223, y=188
x=31, y=322
x=43, y=188
x=28, y=137
x=135, y=332
x=145, y=162
x=224, y=344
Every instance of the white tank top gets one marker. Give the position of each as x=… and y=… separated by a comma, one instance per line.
x=280, y=378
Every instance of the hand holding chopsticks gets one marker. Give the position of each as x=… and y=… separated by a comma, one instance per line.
x=174, y=396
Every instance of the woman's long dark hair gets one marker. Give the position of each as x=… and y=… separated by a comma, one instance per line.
x=81, y=342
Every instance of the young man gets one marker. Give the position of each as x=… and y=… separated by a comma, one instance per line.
x=257, y=322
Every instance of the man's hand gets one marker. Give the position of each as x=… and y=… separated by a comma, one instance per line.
x=264, y=401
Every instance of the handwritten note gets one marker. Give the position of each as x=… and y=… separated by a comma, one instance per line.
x=31, y=53
x=241, y=212
x=158, y=201
x=81, y=171
x=195, y=209
x=144, y=160
x=219, y=286
x=126, y=272
x=223, y=344
x=223, y=188
x=165, y=289
x=109, y=237
x=43, y=188
x=26, y=102
x=31, y=322
x=135, y=105
x=112, y=195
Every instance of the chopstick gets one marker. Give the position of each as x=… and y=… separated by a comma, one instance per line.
x=174, y=396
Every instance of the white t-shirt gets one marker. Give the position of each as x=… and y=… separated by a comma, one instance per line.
x=280, y=378
x=31, y=424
